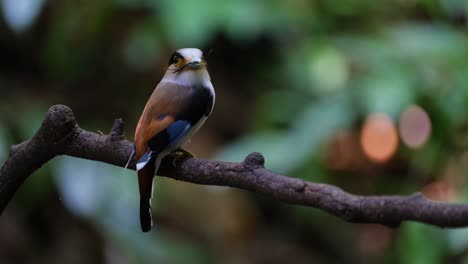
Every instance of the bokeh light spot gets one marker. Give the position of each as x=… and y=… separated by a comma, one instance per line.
x=440, y=191
x=379, y=138
x=329, y=71
x=415, y=126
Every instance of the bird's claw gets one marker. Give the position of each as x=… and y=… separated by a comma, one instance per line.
x=179, y=154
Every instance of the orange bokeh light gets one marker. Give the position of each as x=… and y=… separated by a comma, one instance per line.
x=379, y=138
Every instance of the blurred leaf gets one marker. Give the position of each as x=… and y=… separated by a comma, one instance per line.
x=387, y=90
x=454, y=8
x=328, y=70
x=457, y=240
x=366, y=52
x=129, y=4
x=198, y=21
x=73, y=38
x=109, y=197
x=266, y=142
x=35, y=188
x=181, y=251
x=421, y=43
x=21, y=14
x=31, y=121
x=274, y=109
x=94, y=190
x=454, y=101
x=192, y=25
x=419, y=243
x=288, y=150
x=143, y=47
x=318, y=68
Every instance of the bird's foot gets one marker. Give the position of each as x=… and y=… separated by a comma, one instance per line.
x=180, y=154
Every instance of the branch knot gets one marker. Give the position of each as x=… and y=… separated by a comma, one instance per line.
x=254, y=160
x=116, y=133
x=58, y=123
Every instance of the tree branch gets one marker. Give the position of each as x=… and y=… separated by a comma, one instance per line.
x=59, y=134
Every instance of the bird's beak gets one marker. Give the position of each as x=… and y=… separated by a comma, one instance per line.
x=195, y=63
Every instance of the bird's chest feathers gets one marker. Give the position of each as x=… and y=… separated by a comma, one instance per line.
x=188, y=78
x=191, y=94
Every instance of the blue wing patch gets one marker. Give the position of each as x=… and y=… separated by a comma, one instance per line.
x=177, y=130
x=141, y=163
x=168, y=137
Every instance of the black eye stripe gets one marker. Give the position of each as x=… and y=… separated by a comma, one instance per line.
x=174, y=57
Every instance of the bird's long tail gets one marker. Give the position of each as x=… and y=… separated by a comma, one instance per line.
x=145, y=183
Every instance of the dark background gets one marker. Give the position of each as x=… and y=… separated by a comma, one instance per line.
x=371, y=96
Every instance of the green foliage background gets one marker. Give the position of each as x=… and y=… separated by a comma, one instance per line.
x=291, y=78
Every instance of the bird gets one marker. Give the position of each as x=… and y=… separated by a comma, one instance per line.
x=177, y=108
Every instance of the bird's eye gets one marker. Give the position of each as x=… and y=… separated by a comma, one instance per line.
x=176, y=59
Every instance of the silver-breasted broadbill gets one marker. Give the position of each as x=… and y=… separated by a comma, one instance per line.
x=178, y=107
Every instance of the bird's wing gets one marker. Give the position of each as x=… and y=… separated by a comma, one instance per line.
x=170, y=113
x=160, y=123
x=147, y=130
x=169, y=136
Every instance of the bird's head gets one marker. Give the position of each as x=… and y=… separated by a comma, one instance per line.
x=188, y=67
x=189, y=59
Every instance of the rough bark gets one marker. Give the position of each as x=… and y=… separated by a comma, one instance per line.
x=59, y=134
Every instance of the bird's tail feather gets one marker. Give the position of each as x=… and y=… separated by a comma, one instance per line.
x=145, y=183
x=146, y=220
